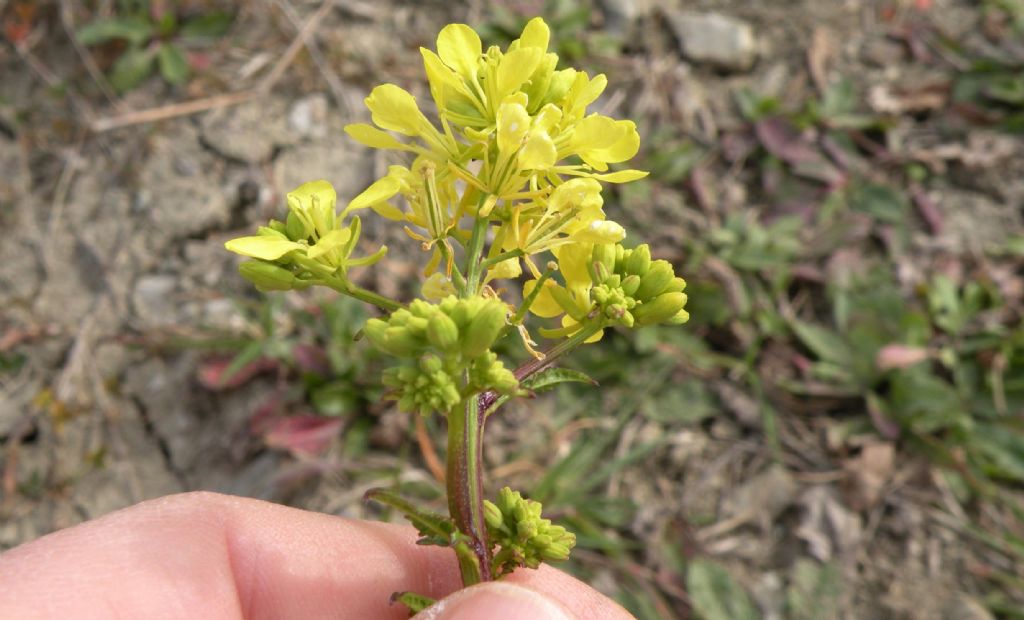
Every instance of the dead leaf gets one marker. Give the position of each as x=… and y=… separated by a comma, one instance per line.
x=781, y=138
x=762, y=498
x=828, y=527
x=889, y=99
x=868, y=473
x=819, y=55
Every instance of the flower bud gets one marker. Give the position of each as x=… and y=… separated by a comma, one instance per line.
x=267, y=276
x=442, y=332
x=638, y=261
x=483, y=329
x=493, y=516
x=653, y=283
x=630, y=284
x=660, y=309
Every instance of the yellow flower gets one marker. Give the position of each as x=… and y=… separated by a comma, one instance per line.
x=312, y=239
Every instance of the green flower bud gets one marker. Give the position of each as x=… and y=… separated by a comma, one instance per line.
x=400, y=342
x=677, y=285
x=655, y=280
x=267, y=276
x=442, y=332
x=680, y=317
x=638, y=261
x=483, y=329
x=604, y=254
x=493, y=516
x=630, y=284
x=660, y=309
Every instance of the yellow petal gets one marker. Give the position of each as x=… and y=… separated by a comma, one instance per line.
x=313, y=193
x=535, y=34
x=600, y=140
x=388, y=211
x=515, y=68
x=572, y=263
x=382, y=189
x=505, y=270
x=513, y=124
x=460, y=48
x=601, y=231
x=576, y=193
x=262, y=246
x=583, y=92
x=394, y=109
x=437, y=287
x=373, y=137
x=331, y=241
x=621, y=176
x=538, y=153
x=545, y=305
x=568, y=321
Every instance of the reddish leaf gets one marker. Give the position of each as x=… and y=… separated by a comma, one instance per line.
x=894, y=356
x=303, y=435
x=212, y=373
x=782, y=139
x=311, y=358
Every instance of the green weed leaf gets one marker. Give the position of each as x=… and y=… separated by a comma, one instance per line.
x=715, y=594
x=135, y=30
x=173, y=66
x=436, y=529
x=134, y=66
x=209, y=26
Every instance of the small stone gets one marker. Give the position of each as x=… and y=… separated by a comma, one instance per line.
x=883, y=52
x=248, y=132
x=346, y=166
x=151, y=299
x=308, y=116
x=620, y=14
x=718, y=40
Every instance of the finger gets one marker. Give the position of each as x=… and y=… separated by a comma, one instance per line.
x=215, y=556
x=498, y=601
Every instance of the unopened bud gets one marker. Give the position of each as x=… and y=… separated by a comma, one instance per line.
x=653, y=283
x=267, y=276
x=660, y=309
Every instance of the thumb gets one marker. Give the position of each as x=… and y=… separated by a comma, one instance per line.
x=496, y=601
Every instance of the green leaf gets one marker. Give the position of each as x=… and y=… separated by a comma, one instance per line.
x=715, y=594
x=814, y=591
x=249, y=354
x=881, y=202
x=173, y=66
x=415, y=602
x=209, y=26
x=824, y=343
x=135, y=65
x=435, y=528
x=334, y=399
x=548, y=379
x=136, y=30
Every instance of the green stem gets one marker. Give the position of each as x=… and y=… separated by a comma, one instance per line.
x=494, y=260
x=446, y=256
x=473, y=253
x=353, y=290
x=465, y=487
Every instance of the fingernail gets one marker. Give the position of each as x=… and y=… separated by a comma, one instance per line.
x=495, y=601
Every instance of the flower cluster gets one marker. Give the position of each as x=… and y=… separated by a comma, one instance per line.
x=522, y=536
x=310, y=247
x=445, y=350
x=515, y=131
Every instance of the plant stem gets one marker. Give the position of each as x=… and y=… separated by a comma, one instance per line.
x=464, y=482
x=473, y=253
x=494, y=260
x=353, y=290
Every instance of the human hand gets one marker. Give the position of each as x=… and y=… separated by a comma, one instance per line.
x=203, y=555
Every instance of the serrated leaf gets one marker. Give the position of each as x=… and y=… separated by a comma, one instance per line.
x=548, y=379
x=715, y=595
x=135, y=65
x=135, y=30
x=435, y=528
x=415, y=602
x=173, y=66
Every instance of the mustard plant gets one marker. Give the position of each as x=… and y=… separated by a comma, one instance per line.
x=502, y=188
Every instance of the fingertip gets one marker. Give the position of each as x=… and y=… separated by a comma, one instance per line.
x=496, y=601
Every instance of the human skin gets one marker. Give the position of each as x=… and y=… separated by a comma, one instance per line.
x=204, y=555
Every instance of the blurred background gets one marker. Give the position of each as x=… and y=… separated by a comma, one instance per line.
x=837, y=433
